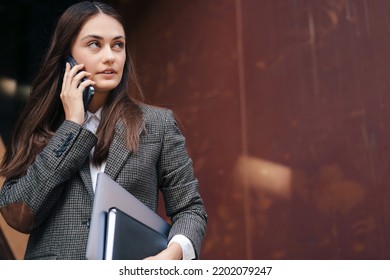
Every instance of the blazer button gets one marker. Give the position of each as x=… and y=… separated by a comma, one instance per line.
x=87, y=223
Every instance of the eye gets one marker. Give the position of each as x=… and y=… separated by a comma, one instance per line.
x=94, y=44
x=119, y=45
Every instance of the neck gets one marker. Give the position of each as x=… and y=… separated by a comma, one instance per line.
x=98, y=100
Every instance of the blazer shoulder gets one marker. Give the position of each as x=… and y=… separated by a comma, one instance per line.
x=159, y=120
x=154, y=113
x=157, y=116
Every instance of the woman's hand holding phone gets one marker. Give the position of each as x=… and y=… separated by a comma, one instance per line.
x=72, y=92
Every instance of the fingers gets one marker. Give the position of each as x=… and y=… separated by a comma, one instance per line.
x=85, y=84
x=70, y=74
x=72, y=77
x=173, y=252
x=72, y=85
x=67, y=67
x=72, y=92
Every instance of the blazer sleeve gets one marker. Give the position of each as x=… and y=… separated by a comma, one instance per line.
x=25, y=202
x=180, y=187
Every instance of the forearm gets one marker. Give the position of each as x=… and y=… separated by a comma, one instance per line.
x=37, y=191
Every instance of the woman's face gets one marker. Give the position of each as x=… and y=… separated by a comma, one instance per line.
x=100, y=46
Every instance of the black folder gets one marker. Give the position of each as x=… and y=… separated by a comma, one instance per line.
x=109, y=194
x=129, y=239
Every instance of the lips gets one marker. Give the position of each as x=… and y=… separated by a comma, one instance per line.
x=107, y=71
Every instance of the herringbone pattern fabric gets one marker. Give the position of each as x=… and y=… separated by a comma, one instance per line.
x=58, y=188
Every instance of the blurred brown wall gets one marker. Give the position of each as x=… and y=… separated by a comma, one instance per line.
x=285, y=108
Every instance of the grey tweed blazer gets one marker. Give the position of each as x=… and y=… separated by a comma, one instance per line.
x=53, y=201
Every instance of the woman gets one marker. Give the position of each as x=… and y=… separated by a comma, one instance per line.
x=58, y=148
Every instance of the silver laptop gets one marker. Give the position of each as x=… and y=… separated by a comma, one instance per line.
x=110, y=194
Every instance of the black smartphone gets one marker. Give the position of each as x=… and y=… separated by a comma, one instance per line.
x=89, y=91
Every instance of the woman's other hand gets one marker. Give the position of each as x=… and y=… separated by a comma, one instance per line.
x=173, y=252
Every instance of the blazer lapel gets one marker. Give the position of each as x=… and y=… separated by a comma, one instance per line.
x=85, y=174
x=118, y=153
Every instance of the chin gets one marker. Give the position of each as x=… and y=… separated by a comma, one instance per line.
x=105, y=88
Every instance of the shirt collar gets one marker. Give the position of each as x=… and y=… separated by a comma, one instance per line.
x=97, y=114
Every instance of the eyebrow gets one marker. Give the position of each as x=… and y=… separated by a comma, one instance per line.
x=101, y=38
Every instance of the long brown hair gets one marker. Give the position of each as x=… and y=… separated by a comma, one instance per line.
x=44, y=112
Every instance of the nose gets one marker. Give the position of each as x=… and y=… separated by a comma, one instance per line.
x=108, y=55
